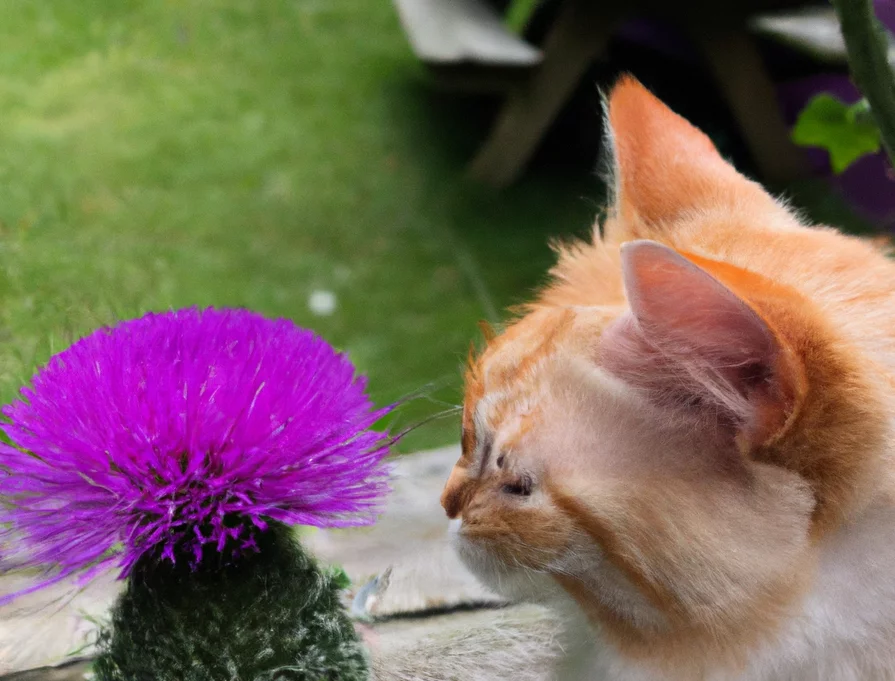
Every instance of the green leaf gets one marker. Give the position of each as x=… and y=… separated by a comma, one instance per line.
x=340, y=577
x=846, y=132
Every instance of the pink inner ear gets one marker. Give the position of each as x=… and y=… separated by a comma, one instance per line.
x=689, y=340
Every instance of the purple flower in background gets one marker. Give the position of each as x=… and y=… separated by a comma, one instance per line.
x=181, y=432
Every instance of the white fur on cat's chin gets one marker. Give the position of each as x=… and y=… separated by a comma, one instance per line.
x=513, y=583
x=585, y=563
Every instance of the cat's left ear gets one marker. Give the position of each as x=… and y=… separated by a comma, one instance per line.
x=692, y=343
x=664, y=167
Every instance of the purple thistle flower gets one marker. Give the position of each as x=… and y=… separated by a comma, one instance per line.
x=151, y=437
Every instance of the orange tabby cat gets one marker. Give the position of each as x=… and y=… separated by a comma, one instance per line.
x=686, y=442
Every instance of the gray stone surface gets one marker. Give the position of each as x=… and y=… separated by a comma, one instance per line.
x=423, y=615
x=50, y=626
x=76, y=670
x=517, y=643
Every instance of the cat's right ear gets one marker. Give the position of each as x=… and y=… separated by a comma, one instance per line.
x=691, y=343
x=663, y=167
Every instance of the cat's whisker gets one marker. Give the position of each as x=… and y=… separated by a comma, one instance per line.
x=427, y=420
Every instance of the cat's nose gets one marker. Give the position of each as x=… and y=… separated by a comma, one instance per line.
x=455, y=493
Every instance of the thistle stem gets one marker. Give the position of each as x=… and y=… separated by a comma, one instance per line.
x=867, y=46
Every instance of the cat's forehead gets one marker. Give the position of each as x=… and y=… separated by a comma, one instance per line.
x=504, y=380
x=509, y=384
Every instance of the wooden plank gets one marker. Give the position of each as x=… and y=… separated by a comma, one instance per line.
x=456, y=31
x=735, y=61
x=467, y=78
x=814, y=31
x=576, y=39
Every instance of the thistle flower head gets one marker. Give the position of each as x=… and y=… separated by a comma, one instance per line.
x=177, y=434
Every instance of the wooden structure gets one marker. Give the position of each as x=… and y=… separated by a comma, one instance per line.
x=814, y=31
x=466, y=46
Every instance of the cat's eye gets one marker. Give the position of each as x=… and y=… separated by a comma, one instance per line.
x=520, y=488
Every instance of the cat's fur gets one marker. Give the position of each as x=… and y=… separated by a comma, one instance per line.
x=685, y=444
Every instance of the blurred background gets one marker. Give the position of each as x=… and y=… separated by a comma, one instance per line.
x=386, y=173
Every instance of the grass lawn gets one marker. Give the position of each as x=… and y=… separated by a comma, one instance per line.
x=226, y=152
x=249, y=153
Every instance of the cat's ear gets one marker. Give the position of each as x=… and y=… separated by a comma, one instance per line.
x=693, y=344
x=663, y=167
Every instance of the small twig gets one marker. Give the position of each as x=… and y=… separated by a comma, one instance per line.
x=867, y=45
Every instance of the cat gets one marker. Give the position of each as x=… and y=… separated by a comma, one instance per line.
x=684, y=445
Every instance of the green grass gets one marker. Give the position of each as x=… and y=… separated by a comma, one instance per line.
x=224, y=152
